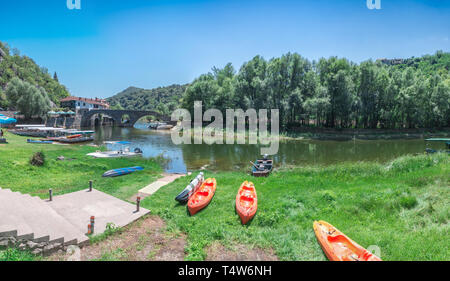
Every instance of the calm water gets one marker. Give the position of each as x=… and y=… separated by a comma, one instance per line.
x=236, y=157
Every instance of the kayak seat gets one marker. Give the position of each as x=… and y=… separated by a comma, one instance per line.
x=203, y=193
x=246, y=187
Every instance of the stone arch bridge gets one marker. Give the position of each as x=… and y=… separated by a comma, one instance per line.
x=118, y=116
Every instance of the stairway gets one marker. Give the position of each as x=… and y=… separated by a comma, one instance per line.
x=31, y=223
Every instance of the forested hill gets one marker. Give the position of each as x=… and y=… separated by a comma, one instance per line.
x=13, y=65
x=333, y=92
x=162, y=99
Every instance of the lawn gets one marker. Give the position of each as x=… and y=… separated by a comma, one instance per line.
x=402, y=207
x=17, y=174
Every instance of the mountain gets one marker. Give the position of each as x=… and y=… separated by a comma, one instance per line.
x=23, y=67
x=161, y=99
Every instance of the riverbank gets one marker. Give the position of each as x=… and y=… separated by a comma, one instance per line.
x=71, y=174
x=402, y=206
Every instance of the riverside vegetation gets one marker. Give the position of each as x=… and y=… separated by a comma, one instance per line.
x=402, y=206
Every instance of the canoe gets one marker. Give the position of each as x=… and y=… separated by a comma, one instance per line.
x=122, y=171
x=184, y=195
x=264, y=171
x=76, y=140
x=201, y=198
x=246, y=202
x=74, y=136
x=113, y=154
x=338, y=247
x=38, y=141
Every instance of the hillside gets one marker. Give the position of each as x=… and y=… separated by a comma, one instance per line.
x=162, y=99
x=13, y=65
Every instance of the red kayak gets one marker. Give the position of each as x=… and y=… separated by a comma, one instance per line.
x=246, y=202
x=201, y=198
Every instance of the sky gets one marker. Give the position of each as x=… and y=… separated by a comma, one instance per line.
x=109, y=45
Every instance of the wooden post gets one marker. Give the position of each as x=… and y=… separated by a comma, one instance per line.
x=90, y=186
x=92, y=224
x=138, y=202
x=50, y=194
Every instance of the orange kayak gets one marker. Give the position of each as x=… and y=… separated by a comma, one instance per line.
x=74, y=136
x=339, y=247
x=246, y=202
x=201, y=198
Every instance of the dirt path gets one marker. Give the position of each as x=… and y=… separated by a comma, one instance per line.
x=238, y=252
x=143, y=240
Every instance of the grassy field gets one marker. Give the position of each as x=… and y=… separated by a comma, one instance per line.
x=402, y=207
x=67, y=176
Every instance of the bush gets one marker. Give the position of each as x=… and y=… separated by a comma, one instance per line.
x=38, y=159
x=408, y=202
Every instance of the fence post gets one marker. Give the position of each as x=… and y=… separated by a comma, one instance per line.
x=50, y=194
x=90, y=186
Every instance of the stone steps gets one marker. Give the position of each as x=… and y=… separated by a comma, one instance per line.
x=43, y=226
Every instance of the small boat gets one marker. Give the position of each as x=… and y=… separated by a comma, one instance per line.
x=444, y=140
x=116, y=153
x=121, y=171
x=246, y=202
x=39, y=141
x=184, y=196
x=338, y=247
x=262, y=167
x=74, y=136
x=75, y=140
x=201, y=198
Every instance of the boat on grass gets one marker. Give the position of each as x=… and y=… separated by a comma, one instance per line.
x=116, y=153
x=338, y=247
x=246, y=202
x=121, y=171
x=184, y=195
x=39, y=141
x=202, y=197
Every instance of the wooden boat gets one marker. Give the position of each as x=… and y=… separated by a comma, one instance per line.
x=246, y=202
x=122, y=171
x=115, y=154
x=201, y=198
x=75, y=140
x=263, y=169
x=338, y=247
x=184, y=195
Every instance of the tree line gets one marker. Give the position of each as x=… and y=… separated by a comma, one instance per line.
x=333, y=92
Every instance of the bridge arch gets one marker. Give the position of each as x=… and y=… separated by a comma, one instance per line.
x=117, y=115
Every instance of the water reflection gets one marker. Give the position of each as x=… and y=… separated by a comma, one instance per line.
x=236, y=157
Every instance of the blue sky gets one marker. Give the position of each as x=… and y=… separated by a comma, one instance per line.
x=109, y=45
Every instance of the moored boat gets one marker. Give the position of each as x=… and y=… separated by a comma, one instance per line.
x=246, y=202
x=184, y=195
x=121, y=171
x=39, y=141
x=338, y=247
x=202, y=197
x=262, y=167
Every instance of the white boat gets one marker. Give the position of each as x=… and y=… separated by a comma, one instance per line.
x=116, y=153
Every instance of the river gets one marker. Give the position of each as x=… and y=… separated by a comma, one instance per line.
x=183, y=158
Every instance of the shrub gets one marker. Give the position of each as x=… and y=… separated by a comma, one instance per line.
x=408, y=202
x=38, y=159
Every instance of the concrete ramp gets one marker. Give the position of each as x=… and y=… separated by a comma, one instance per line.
x=43, y=226
x=78, y=207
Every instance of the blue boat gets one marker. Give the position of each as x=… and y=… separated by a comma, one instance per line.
x=38, y=141
x=122, y=171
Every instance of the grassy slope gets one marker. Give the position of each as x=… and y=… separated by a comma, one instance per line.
x=403, y=207
x=67, y=176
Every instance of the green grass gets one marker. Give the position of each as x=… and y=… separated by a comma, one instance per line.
x=67, y=176
x=13, y=254
x=402, y=207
